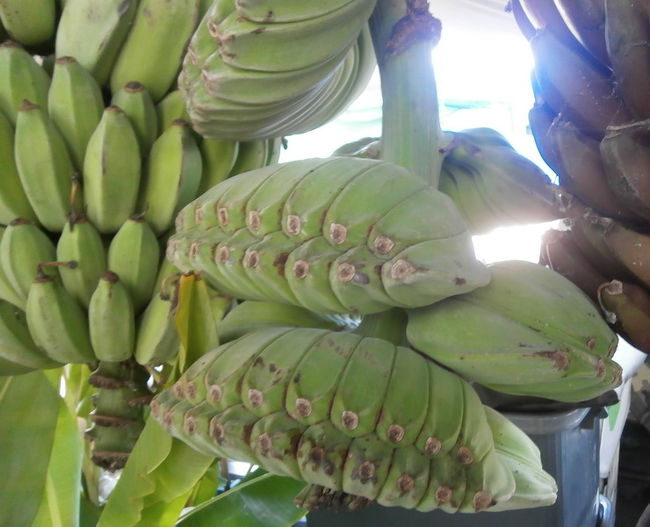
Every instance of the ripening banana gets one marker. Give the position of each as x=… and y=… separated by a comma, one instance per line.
x=136, y=103
x=111, y=320
x=134, y=254
x=7, y=291
x=57, y=323
x=328, y=235
x=157, y=339
x=169, y=109
x=44, y=166
x=16, y=344
x=75, y=105
x=22, y=249
x=80, y=242
x=13, y=201
x=218, y=160
x=92, y=31
x=29, y=22
x=111, y=174
x=20, y=78
x=529, y=329
x=173, y=176
x=335, y=412
x=149, y=40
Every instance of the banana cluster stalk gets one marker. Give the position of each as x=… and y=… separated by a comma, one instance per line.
x=337, y=235
x=253, y=70
x=359, y=430
x=590, y=122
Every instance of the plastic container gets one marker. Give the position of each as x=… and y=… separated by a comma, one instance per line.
x=569, y=444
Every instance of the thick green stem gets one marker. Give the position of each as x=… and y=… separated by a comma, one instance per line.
x=404, y=33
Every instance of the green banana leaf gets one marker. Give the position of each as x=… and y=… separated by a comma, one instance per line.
x=61, y=499
x=265, y=501
x=29, y=413
x=156, y=483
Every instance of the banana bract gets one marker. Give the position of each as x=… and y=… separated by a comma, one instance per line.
x=248, y=76
x=337, y=235
x=334, y=410
x=529, y=332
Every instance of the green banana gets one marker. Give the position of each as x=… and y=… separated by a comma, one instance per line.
x=148, y=40
x=251, y=155
x=173, y=176
x=17, y=348
x=22, y=249
x=528, y=326
x=7, y=291
x=241, y=233
x=218, y=160
x=111, y=173
x=44, y=166
x=75, y=105
x=157, y=340
x=93, y=31
x=29, y=22
x=171, y=108
x=57, y=323
x=329, y=430
x=20, y=78
x=81, y=242
x=136, y=103
x=13, y=201
x=134, y=254
x=111, y=320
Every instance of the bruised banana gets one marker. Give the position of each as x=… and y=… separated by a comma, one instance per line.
x=173, y=176
x=13, y=201
x=251, y=315
x=627, y=306
x=22, y=249
x=529, y=332
x=149, y=40
x=134, y=254
x=57, y=323
x=75, y=105
x=328, y=235
x=135, y=101
x=44, y=166
x=80, y=242
x=92, y=31
x=250, y=79
x=18, y=352
x=29, y=22
x=359, y=430
x=20, y=78
x=111, y=320
x=111, y=173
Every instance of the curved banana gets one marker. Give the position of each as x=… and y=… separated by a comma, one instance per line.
x=218, y=160
x=29, y=22
x=111, y=174
x=111, y=320
x=136, y=103
x=171, y=108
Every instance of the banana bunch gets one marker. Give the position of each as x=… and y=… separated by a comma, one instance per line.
x=490, y=183
x=336, y=235
x=529, y=332
x=590, y=122
x=266, y=69
x=332, y=409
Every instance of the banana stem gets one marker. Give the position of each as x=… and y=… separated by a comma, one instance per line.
x=404, y=33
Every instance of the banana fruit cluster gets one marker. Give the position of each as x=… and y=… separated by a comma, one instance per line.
x=261, y=69
x=590, y=122
x=334, y=410
x=529, y=332
x=336, y=235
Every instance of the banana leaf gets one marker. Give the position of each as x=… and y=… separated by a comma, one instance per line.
x=157, y=481
x=61, y=499
x=265, y=501
x=29, y=412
